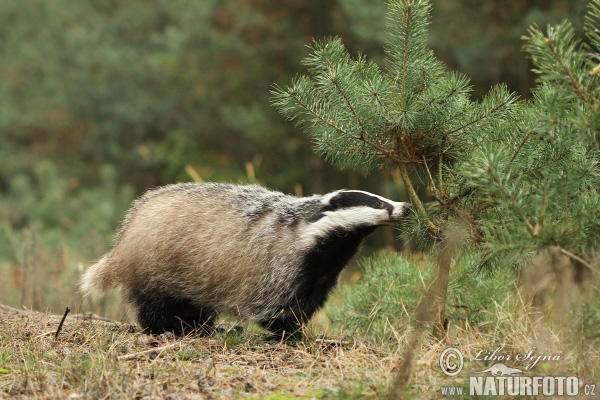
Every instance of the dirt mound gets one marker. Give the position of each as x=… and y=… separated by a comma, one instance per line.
x=7, y=313
x=38, y=324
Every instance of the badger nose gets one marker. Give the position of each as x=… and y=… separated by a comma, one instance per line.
x=402, y=210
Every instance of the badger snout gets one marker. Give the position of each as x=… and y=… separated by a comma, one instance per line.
x=400, y=210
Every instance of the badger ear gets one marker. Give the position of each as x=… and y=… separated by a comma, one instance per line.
x=334, y=202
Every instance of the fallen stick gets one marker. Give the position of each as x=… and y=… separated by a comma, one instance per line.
x=337, y=342
x=139, y=353
x=44, y=334
x=90, y=316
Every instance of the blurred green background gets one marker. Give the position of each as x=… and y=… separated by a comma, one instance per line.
x=101, y=100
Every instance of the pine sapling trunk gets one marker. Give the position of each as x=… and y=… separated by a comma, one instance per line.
x=443, y=278
x=410, y=189
x=412, y=194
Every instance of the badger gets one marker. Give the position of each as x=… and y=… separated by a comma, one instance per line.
x=187, y=252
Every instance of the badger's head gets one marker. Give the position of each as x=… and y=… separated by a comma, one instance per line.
x=352, y=210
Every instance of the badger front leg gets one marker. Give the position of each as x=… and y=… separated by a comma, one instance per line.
x=286, y=323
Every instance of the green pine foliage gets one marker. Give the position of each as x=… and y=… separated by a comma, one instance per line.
x=415, y=116
x=518, y=178
x=542, y=180
x=392, y=286
x=376, y=304
x=522, y=174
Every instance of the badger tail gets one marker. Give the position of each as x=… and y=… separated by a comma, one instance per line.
x=98, y=278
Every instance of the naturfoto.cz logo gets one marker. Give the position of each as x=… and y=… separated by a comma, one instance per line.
x=502, y=380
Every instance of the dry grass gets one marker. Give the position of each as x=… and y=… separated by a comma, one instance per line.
x=577, y=357
x=96, y=359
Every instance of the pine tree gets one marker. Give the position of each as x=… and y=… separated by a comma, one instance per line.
x=542, y=180
x=522, y=176
x=415, y=116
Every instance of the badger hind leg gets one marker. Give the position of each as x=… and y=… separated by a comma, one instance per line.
x=286, y=325
x=158, y=312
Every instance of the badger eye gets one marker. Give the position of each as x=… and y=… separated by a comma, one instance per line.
x=378, y=204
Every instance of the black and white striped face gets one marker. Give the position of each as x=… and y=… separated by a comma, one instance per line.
x=350, y=209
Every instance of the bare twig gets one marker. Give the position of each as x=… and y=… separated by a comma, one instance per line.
x=413, y=195
x=62, y=321
x=336, y=342
x=443, y=277
x=41, y=335
x=431, y=182
x=578, y=259
x=410, y=189
x=139, y=353
x=88, y=316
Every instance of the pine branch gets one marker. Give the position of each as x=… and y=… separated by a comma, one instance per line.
x=407, y=25
x=521, y=144
x=436, y=100
x=375, y=93
x=408, y=22
x=382, y=151
x=416, y=112
x=484, y=115
x=550, y=162
x=581, y=92
x=510, y=198
x=560, y=57
x=319, y=117
x=592, y=25
x=343, y=94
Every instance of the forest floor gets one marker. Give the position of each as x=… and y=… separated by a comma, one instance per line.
x=91, y=358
